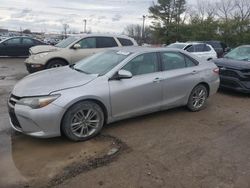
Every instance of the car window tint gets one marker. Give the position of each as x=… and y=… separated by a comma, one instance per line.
x=125, y=42
x=106, y=42
x=143, y=64
x=14, y=41
x=88, y=43
x=27, y=41
x=189, y=62
x=190, y=49
x=171, y=60
x=199, y=47
x=207, y=48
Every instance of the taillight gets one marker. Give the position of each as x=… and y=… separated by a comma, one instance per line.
x=216, y=70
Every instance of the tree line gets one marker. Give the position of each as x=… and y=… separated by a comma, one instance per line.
x=175, y=20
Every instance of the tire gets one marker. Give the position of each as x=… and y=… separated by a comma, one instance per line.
x=76, y=123
x=55, y=63
x=198, y=98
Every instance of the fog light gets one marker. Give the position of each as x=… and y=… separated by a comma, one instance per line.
x=35, y=65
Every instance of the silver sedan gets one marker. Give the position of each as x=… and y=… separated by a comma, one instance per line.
x=78, y=100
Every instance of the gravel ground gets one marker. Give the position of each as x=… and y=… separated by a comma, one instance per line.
x=174, y=148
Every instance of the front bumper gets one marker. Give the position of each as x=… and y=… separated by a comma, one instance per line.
x=31, y=68
x=43, y=123
x=33, y=65
x=235, y=84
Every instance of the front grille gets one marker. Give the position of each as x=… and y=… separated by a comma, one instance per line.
x=12, y=102
x=14, y=119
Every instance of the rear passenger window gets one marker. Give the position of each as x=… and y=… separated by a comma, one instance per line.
x=199, y=48
x=27, y=41
x=125, y=42
x=172, y=61
x=106, y=42
x=189, y=62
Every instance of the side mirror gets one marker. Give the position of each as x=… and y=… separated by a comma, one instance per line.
x=124, y=74
x=76, y=46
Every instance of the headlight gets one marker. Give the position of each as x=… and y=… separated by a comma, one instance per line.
x=38, y=102
x=41, y=55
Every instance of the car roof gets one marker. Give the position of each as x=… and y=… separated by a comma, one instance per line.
x=139, y=49
x=99, y=35
x=189, y=43
x=21, y=37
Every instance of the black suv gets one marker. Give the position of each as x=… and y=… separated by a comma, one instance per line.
x=220, y=47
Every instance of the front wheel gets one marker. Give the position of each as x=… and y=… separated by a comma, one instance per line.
x=197, y=99
x=83, y=121
x=56, y=63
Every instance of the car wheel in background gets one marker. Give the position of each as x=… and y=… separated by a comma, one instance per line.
x=197, y=99
x=55, y=63
x=83, y=121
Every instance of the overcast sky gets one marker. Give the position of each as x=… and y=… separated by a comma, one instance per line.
x=49, y=15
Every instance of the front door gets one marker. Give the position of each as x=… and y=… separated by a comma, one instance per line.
x=140, y=94
x=13, y=47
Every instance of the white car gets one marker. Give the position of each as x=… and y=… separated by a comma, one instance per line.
x=73, y=49
x=202, y=50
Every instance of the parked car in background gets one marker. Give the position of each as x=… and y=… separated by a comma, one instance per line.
x=235, y=69
x=202, y=50
x=51, y=41
x=3, y=38
x=77, y=100
x=18, y=46
x=220, y=47
x=73, y=49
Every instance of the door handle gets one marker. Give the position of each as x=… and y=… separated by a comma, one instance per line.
x=157, y=80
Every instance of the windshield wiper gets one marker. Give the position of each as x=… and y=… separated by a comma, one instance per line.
x=79, y=70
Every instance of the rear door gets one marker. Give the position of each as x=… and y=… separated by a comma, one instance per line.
x=27, y=43
x=180, y=75
x=140, y=94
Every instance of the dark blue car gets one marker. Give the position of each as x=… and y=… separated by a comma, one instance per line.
x=18, y=46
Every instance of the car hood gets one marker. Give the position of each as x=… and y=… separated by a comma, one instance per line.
x=231, y=63
x=48, y=81
x=43, y=48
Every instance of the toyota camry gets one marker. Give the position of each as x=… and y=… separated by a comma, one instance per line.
x=77, y=100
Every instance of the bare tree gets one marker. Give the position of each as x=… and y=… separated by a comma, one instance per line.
x=242, y=9
x=225, y=9
x=65, y=28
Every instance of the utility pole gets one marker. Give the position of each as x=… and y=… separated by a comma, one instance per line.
x=143, y=27
x=85, y=25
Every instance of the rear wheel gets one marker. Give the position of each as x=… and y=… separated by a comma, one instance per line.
x=197, y=99
x=56, y=63
x=83, y=121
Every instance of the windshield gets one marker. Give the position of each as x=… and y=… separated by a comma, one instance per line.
x=101, y=63
x=240, y=53
x=179, y=46
x=66, y=42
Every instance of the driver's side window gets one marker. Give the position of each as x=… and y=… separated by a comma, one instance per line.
x=142, y=64
x=88, y=43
